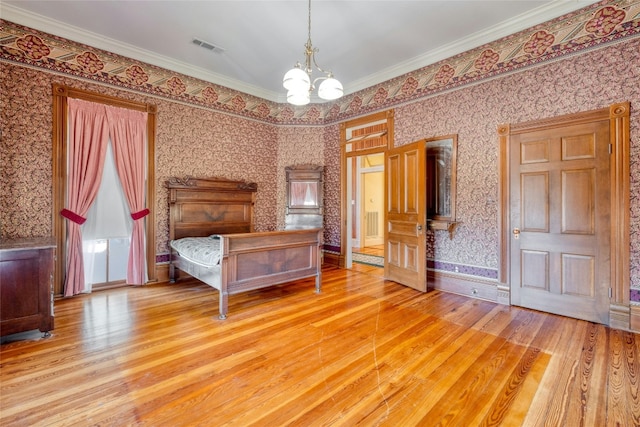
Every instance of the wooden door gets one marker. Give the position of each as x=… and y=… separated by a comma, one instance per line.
x=405, y=216
x=560, y=220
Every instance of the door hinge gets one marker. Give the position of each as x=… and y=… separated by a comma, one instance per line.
x=610, y=149
x=610, y=293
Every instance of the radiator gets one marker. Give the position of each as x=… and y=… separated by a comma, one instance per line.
x=371, y=219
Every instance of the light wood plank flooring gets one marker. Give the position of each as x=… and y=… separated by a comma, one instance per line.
x=377, y=250
x=363, y=352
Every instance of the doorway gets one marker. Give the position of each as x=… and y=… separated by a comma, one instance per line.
x=368, y=212
x=364, y=142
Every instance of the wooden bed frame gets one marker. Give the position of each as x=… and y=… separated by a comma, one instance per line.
x=249, y=260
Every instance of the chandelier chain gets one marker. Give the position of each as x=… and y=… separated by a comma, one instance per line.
x=298, y=81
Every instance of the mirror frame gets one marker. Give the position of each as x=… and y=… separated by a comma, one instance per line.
x=432, y=191
x=307, y=175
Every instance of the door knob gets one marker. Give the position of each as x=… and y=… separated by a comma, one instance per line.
x=516, y=233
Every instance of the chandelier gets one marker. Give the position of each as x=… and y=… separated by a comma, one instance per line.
x=298, y=81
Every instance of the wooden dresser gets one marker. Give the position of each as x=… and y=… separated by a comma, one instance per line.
x=26, y=280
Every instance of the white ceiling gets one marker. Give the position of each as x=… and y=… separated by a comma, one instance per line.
x=363, y=42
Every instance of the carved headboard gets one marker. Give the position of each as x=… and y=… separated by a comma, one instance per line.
x=204, y=206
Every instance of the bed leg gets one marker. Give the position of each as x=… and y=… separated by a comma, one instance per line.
x=224, y=304
x=172, y=273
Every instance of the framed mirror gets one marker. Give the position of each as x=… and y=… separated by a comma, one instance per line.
x=441, y=180
x=304, y=196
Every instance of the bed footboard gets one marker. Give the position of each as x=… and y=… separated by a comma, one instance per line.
x=258, y=260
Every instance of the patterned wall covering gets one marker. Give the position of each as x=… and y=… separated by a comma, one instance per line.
x=202, y=143
x=580, y=83
x=297, y=146
x=190, y=141
x=332, y=202
x=25, y=152
x=206, y=130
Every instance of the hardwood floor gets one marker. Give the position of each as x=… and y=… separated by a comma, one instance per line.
x=377, y=250
x=363, y=352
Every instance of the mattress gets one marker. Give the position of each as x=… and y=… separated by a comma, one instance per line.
x=204, y=251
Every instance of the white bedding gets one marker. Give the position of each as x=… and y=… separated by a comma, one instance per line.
x=204, y=251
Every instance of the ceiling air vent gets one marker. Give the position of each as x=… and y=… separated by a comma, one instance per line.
x=207, y=45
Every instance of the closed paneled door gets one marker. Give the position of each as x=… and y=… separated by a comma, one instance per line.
x=560, y=220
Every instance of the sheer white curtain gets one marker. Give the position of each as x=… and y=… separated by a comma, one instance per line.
x=108, y=218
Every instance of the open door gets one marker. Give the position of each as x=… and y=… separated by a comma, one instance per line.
x=405, y=216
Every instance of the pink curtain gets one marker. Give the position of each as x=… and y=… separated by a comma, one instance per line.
x=88, y=138
x=128, y=137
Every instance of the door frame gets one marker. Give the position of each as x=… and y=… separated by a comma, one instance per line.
x=346, y=170
x=619, y=140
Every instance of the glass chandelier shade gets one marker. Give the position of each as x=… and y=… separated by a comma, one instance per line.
x=298, y=97
x=330, y=89
x=298, y=81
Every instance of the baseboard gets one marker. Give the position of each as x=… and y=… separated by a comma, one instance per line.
x=473, y=287
x=332, y=259
x=619, y=316
x=634, y=318
x=162, y=272
x=504, y=294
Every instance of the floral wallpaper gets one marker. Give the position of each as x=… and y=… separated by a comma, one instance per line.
x=203, y=143
x=572, y=85
x=25, y=153
x=582, y=61
x=332, y=201
x=296, y=146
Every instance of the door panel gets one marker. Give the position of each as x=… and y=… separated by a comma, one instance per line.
x=578, y=197
x=405, y=216
x=535, y=193
x=535, y=269
x=560, y=216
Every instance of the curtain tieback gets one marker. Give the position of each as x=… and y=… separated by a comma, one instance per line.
x=72, y=216
x=141, y=214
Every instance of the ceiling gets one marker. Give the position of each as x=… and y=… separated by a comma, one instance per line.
x=363, y=42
